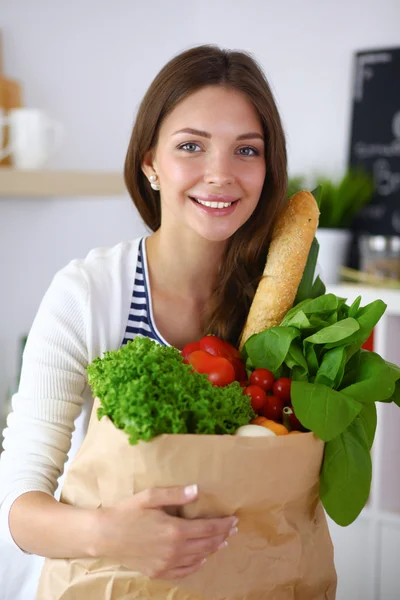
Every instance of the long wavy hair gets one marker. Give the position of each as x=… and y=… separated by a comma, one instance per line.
x=246, y=250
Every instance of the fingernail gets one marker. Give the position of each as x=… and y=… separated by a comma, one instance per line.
x=191, y=491
x=235, y=521
x=203, y=561
x=223, y=545
x=233, y=531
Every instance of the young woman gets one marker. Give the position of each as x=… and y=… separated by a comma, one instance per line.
x=206, y=169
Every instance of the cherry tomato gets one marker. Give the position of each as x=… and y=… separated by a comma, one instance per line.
x=263, y=378
x=189, y=348
x=219, y=370
x=217, y=347
x=257, y=397
x=282, y=389
x=273, y=408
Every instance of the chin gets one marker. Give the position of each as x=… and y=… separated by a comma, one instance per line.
x=215, y=234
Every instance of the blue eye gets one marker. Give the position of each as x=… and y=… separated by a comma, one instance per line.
x=190, y=147
x=248, y=151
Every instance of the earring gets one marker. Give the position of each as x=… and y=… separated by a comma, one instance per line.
x=154, y=185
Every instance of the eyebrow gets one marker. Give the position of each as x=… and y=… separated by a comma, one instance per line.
x=244, y=136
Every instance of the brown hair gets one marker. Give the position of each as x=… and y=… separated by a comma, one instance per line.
x=244, y=259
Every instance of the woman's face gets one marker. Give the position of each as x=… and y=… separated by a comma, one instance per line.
x=210, y=150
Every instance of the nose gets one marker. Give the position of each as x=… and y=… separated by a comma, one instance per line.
x=219, y=171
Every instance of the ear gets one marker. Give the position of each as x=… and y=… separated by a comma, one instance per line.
x=148, y=165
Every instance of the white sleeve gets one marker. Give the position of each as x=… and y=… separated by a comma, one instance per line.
x=49, y=399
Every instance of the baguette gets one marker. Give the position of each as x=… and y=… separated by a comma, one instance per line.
x=287, y=256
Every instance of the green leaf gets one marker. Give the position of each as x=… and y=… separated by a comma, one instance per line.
x=299, y=320
x=396, y=394
x=269, y=348
x=317, y=195
x=322, y=304
x=368, y=418
x=305, y=288
x=311, y=358
x=346, y=474
x=331, y=370
x=335, y=333
x=318, y=288
x=373, y=380
x=324, y=411
x=395, y=370
x=367, y=317
x=354, y=307
x=295, y=358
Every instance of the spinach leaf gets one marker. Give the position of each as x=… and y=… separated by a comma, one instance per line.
x=396, y=394
x=323, y=304
x=269, y=348
x=295, y=358
x=331, y=370
x=323, y=410
x=354, y=307
x=373, y=380
x=335, y=333
x=346, y=474
x=367, y=317
x=318, y=288
x=368, y=418
x=299, y=320
x=311, y=358
x=305, y=288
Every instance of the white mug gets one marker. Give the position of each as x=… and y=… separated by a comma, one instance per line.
x=33, y=137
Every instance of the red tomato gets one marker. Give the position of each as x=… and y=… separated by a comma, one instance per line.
x=282, y=389
x=293, y=420
x=217, y=347
x=263, y=378
x=189, y=348
x=219, y=370
x=273, y=408
x=257, y=397
x=240, y=370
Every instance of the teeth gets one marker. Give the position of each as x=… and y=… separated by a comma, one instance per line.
x=214, y=204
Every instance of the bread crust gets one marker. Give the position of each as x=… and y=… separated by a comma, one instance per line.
x=287, y=256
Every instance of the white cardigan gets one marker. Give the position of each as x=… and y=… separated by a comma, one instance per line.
x=83, y=314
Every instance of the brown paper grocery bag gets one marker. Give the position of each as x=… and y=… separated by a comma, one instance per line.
x=282, y=551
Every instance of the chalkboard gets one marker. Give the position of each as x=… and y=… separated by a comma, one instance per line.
x=375, y=136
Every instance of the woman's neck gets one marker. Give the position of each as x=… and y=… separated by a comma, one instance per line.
x=185, y=265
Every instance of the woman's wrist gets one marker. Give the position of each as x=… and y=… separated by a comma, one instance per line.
x=97, y=538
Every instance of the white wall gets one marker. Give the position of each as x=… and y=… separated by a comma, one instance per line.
x=88, y=62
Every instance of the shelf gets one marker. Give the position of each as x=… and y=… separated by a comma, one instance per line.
x=41, y=183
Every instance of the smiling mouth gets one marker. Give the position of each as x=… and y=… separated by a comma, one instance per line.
x=213, y=204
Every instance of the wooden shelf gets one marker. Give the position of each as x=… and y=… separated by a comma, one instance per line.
x=41, y=183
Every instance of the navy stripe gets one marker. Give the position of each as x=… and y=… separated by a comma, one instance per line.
x=138, y=319
x=136, y=306
x=140, y=324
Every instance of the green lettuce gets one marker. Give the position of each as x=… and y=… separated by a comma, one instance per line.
x=147, y=390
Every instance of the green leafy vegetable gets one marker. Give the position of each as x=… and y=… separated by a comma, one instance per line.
x=346, y=474
x=147, y=390
x=335, y=384
x=322, y=410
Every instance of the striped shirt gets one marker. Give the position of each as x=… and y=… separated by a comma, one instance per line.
x=140, y=317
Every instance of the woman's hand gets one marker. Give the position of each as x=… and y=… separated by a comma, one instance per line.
x=143, y=537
